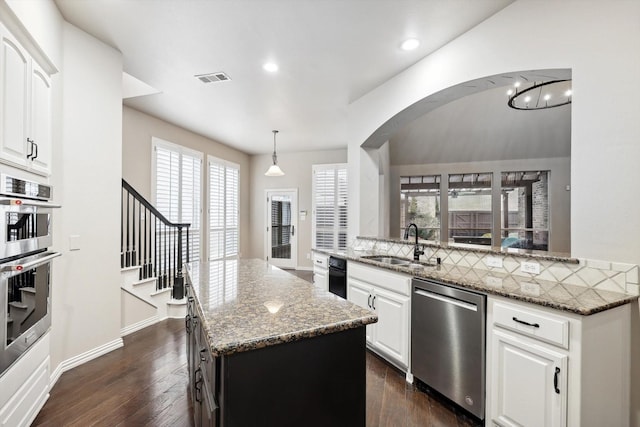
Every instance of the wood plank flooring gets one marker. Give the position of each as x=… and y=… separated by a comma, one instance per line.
x=145, y=384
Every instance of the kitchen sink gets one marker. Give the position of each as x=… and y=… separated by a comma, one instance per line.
x=401, y=262
x=388, y=259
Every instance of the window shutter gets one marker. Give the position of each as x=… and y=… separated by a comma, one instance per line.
x=177, y=189
x=224, y=187
x=330, y=206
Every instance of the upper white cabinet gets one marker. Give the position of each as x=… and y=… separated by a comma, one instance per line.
x=25, y=108
x=387, y=294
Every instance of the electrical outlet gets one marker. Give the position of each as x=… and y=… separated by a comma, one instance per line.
x=530, y=267
x=493, y=261
x=532, y=289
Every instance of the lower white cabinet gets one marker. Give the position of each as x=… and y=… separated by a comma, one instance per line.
x=387, y=294
x=551, y=368
x=529, y=383
x=321, y=271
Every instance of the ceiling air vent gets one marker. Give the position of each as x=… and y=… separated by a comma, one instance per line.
x=213, y=77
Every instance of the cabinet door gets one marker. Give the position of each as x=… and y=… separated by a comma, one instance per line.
x=40, y=132
x=392, y=330
x=528, y=384
x=14, y=84
x=360, y=294
x=320, y=278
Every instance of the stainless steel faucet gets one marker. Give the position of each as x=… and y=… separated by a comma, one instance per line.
x=417, y=251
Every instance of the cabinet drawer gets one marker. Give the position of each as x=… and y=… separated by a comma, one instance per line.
x=320, y=260
x=380, y=277
x=536, y=324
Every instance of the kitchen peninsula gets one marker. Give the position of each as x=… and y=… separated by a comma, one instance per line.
x=267, y=348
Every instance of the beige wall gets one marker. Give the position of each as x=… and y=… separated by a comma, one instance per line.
x=137, y=130
x=297, y=169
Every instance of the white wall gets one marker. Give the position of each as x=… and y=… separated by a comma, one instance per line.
x=87, y=165
x=297, y=169
x=594, y=39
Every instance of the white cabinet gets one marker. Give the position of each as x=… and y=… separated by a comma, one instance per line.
x=387, y=294
x=529, y=383
x=321, y=271
x=25, y=108
x=552, y=368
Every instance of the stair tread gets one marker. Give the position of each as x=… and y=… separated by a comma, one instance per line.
x=18, y=305
x=28, y=289
x=160, y=291
x=144, y=281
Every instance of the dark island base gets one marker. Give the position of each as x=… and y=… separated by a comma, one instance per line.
x=320, y=381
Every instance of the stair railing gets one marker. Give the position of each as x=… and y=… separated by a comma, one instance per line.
x=152, y=242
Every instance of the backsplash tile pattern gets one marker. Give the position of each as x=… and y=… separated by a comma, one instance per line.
x=598, y=274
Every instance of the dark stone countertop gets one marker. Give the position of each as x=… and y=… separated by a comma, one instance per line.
x=246, y=304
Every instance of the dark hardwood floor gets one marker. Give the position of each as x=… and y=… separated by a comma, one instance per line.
x=145, y=384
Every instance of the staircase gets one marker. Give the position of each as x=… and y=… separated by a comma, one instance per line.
x=152, y=248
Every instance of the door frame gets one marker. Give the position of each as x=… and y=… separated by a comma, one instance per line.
x=278, y=262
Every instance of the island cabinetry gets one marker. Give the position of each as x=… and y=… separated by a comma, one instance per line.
x=551, y=368
x=25, y=108
x=388, y=294
x=321, y=271
x=201, y=367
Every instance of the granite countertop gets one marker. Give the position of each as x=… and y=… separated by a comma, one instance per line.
x=570, y=298
x=246, y=304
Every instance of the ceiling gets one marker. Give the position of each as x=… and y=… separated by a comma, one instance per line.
x=473, y=123
x=329, y=52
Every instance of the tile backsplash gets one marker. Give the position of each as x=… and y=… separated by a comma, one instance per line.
x=605, y=275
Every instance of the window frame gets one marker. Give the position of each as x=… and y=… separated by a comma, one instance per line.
x=338, y=194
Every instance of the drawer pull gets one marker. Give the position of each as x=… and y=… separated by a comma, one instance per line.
x=555, y=380
x=535, y=325
x=369, y=301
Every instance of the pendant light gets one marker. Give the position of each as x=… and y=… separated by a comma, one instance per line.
x=274, y=169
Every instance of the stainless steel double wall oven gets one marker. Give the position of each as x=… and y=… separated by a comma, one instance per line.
x=25, y=265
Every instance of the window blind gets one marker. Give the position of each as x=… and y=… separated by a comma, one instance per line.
x=224, y=188
x=330, y=206
x=177, y=189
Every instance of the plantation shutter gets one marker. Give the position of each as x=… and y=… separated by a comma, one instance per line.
x=224, y=187
x=330, y=206
x=177, y=189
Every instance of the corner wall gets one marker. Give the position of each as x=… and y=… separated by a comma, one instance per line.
x=87, y=171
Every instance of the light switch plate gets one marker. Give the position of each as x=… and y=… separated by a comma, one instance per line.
x=493, y=261
x=530, y=267
x=74, y=242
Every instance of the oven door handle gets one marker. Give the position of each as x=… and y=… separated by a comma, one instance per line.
x=27, y=265
x=24, y=202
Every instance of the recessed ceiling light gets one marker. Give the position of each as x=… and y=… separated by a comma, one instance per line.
x=271, y=67
x=410, y=44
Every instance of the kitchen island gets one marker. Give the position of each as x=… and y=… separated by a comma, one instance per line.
x=267, y=348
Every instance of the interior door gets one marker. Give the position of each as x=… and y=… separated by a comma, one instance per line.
x=282, y=228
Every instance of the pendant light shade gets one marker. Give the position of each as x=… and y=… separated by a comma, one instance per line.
x=274, y=169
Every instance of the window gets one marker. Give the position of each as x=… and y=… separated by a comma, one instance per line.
x=330, y=206
x=224, y=187
x=470, y=214
x=420, y=204
x=176, y=188
x=524, y=215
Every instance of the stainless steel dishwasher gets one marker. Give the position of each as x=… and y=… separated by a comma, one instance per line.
x=448, y=342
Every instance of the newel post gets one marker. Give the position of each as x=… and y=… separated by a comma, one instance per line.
x=178, y=283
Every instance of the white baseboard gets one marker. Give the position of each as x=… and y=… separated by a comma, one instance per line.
x=83, y=358
x=139, y=325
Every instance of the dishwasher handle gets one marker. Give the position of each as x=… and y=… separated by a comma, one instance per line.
x=446, y=299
